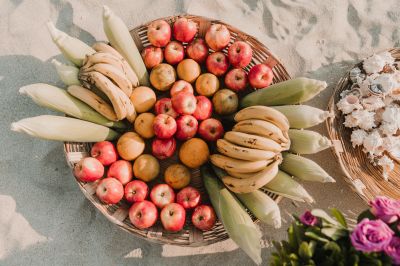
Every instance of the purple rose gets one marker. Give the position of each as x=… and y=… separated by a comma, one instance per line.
x=308, y=219
x=393, y=250
x=371, y=235
x=386, y=209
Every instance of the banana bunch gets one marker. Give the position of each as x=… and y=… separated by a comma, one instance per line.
x=109, y=74
x=250, y=154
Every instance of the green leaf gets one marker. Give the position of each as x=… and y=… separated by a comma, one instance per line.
x=365, y=214
x=333, y=232
x=332, y=246
x=339, y=217
x=323, y=215
x=304, y=251
x=314, y=236
x=292, y=238
x=312, y=245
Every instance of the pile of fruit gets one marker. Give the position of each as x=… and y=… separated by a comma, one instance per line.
x=138, y=119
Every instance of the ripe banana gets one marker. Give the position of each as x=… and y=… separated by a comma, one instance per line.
x=239, y=166
x=103, y=58
x=253, y=141
x=243, y=175
x=261, y=128
x=250, y=184
x=94, y=101
x=114, y=74
x=238, y=152
x=263, y=113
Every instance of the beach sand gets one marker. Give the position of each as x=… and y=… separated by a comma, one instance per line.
x=45, y=218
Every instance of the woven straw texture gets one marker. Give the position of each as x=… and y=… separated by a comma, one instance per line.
x=118, y=213
x=365, y=178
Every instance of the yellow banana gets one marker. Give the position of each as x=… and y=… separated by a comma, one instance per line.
x=114, y=74
x=243, y=175
x=238, y=152
x=261, y=128
x=104, y=58
x=94, y=101
x=253, y=141
x=263, y=113
x=250, y=184
x=239, y=166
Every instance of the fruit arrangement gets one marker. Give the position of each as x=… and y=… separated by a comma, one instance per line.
x=158, y=114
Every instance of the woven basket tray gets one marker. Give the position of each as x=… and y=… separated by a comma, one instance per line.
x=118, y=213
x=364, y=178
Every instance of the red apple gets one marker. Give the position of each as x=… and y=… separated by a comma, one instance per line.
x=217, y=37
x=260, y=76
x=161, y=195
x=204, y=217
x=181, y=85
x=136, y=191
x=197, y=50
x=203, y=108
x=164, y=106
x=143, y=214
x=186, y=127
x=217, y=63
x=239, y=54
x=173, y=217
x=105, y=152
x=164, y=126
x=174, y=53
x=159, y=33
x=163, y=148
x=236, y=79
x=152, y=56
x=184, y=29
x=211, y=129
x=184, y=103
x=121, y=170
x=110, y=190
x=88, y=169
x=188, y=197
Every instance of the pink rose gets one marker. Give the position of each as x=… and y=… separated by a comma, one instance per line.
x=393, y=250
x=308, y=219
x=371, y=235
x=386, y=209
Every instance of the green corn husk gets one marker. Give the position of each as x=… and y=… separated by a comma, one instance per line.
x=307, y=141
x=233, y=216
x=263, y=207
x=291, y=91
x=72, y=48
x=68, y=74
x=284, y=185
x=303, y=116
x=304, y=169
x=63, y=129
x=120, y=38
x=60, y=100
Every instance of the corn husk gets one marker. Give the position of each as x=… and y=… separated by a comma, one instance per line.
x=72, y=48
x=60, y=100
x=291, y=91
x=263, y=207
x=233, y=216
x=303, y=116
x=284, y=185
x=304, y=169
x=67, y=73
x=63, y=129
x=307, y=141
x=120, y=38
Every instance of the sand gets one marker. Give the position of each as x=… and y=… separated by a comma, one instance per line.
x=45, y=220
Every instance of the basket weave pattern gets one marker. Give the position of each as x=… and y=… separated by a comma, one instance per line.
x=118, y=213
x=364, y=178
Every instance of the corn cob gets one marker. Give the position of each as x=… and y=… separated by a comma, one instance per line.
x=72, y=48
x=68, y=74
x=303, y=116
x=59, y=100
x=307, y=141
x=63, y=129
x=304, y=169
x=292, y=91
x=284, y=185
x=233, y=216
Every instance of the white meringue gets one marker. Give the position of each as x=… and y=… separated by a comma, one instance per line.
x=386, y=81
x=387, y=164
x=388, y=129
x=373, y=143
x=365, y=119
x=348, y=104
x=350, y=121
x=376, y=62
x=357, y=137
x=372, y=103
x=391, y=115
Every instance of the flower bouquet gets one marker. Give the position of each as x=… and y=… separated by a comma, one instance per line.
x=316, y=238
